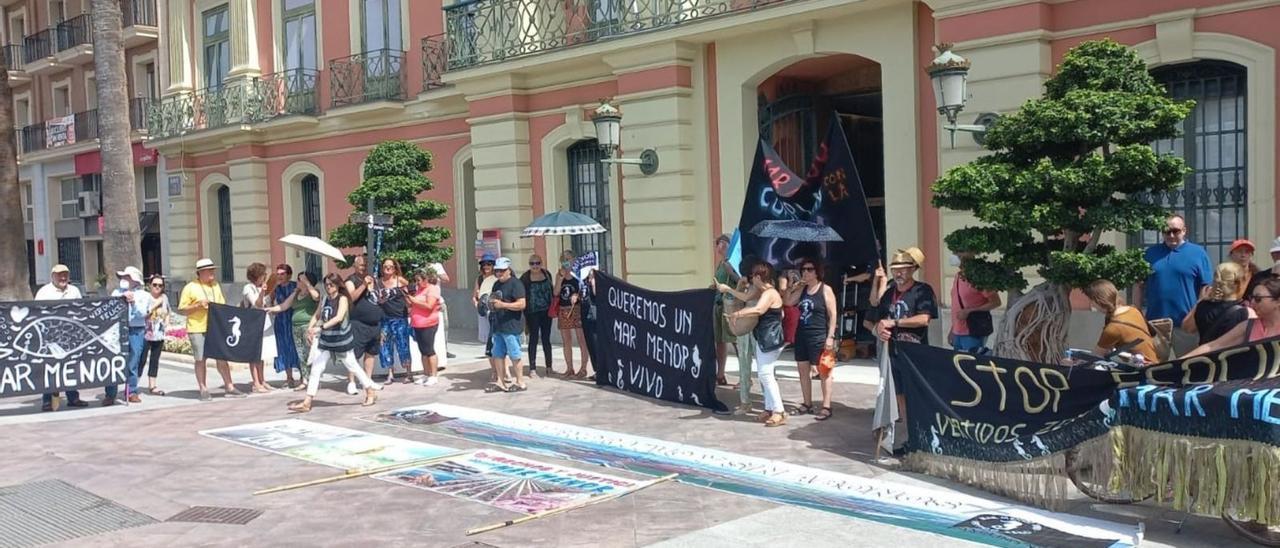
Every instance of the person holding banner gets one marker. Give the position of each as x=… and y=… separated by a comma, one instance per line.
x=1222, y=306
x=1124, y=324
x=1265, y=301
x=194, y=304
x=258, y=293
x=282, y=324
x=59, y=288
x=768, y=336
x=906, y=307
x=139, y=304
x=815, y=333
x=589, y=318
x=337, y=340
x=569, y=291
x=725, y=274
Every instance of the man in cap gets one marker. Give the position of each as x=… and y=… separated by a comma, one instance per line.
x=58, y=289
x=139, y=305
x=907, y=306
x=507, y=302
x=1179, y=270
x=194, y=304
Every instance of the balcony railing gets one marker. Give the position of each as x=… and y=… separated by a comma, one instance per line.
x=86, y=125
x=489, y=31
x=139, y=12
x=31, y=138
x=38, y=46
x=376, y=75
x=11, y=56
x=76, y=31
x=138, y=109
x=435, y=61
x=238, y=102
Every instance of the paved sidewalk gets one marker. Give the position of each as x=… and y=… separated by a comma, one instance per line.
x=151, y=458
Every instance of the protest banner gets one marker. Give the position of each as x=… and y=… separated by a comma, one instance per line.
x=52, y=346
x=935, y=510
x=830, y=193
x=235, y=333
x=60, y=131
x=327, y=445
x=1023, y=429
x=509, y=482
x=657, y=344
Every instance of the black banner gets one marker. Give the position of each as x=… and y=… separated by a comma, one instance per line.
x=830, y=194
x=53, y=346
x=235, y=333
x=1000, y=410
x=658, y=344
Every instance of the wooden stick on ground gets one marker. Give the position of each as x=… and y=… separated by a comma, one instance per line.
x=580, y=504
x=359, y=473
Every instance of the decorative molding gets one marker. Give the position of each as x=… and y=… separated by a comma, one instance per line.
x=802, y=35
x=1174, y=36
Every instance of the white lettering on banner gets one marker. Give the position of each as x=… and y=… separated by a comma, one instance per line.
x=643, y=309
x=109, y=370
x=684, y=321
x=665, y=352
x=624, y=333
x=16, y=379
x=643, y=378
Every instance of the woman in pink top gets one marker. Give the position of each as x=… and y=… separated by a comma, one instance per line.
x=966, y=300
x=424, y=318
x=1263, y=323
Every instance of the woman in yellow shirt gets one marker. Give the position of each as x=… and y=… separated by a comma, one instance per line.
x=1124, y=324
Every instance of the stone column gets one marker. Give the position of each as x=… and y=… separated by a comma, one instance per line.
x=502, y=174
x=250, y=215
x=184, y=248
x=665, y=220
x=244, y=35
x=176, y=45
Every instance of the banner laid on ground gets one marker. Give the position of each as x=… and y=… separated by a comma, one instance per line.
x=509, y=482
x=933, y=510
x=830, y=193
x=657, y=344
x=235, y=333
x=52, y=346
x=327, y=445
x=1018, y=428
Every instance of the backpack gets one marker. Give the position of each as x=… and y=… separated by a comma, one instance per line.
x=1161, y=332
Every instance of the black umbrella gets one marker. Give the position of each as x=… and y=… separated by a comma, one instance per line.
x=798, y=231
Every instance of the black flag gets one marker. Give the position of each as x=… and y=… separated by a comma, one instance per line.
x=235, y=333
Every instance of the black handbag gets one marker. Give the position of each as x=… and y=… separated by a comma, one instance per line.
x=980, y=321
x=771, y=337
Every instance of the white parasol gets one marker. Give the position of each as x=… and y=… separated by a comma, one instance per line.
x=312, y=244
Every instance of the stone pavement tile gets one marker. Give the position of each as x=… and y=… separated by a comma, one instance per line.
x=790, y=526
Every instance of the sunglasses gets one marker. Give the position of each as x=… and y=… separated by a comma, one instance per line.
x=158, y=285
x=1171, y=231
x=535, y=263
x=808, y=269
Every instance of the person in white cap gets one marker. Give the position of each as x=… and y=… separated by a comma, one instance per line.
x=139, y=305
x=58, y=289
x=194, y=304
x=507, y=318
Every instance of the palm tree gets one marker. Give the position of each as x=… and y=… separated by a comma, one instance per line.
x=121, y=239
x=13, y=251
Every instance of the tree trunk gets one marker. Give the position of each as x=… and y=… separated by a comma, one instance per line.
x=121, y=240
x=1035, y=326
x=13, y=248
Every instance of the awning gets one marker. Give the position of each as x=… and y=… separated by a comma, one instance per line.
x=90, y=162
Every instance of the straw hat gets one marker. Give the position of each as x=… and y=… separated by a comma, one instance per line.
x=909, y=257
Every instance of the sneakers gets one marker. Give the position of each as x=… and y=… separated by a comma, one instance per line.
x=432, y=381
x=351, y=388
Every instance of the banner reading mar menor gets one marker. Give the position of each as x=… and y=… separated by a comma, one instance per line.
x=48, y=346
x=986, y=420
x=658, y=344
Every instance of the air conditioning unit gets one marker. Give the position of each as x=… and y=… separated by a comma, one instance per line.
x=89, y=204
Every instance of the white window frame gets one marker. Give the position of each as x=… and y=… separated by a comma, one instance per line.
x=24, y=96
x=53, y=98
x=28, y=201
x=8, y=27
x=90, y=100
x=66, y=11
x=139, y=76
x=73, y=202
x=156, y=177
x=199, y=10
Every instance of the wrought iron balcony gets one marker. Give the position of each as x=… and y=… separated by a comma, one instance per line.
x=38, y=46
x=11, y=56
x=139, y=12
x=435, y=61
x=138, y=108
x=76, y=31
x=86, y=125
x=490, y=31
x=367, y=77
x=235, y=103
x=31, y=138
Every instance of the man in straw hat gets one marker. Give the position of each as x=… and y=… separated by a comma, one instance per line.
x=194, y=304
x=60, y=288
x=905, y=308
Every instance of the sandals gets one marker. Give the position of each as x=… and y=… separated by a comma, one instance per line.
x=764, y=416
x=823, y=415
x=496, y=388
x=300, y=407
x=722, y=381
x=408, y=379
x=803, y=409
x=370, y=398
x=517, y=388
x=778, y=419
x=155, y=391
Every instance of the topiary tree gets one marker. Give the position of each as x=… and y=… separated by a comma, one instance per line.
x=393, y=177
x=1064, y=169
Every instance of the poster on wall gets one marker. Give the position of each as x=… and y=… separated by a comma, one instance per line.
x=490, y=242
x=60, y=131
x=658, y=344
x=52, y=346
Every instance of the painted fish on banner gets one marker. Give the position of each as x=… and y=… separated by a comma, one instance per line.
x=51, y=346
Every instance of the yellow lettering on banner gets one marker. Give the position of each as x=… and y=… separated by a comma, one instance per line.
x=1198, y=360
x=995, y=374
x=977, y=390
x=1026, y=398
x=1224, y=367
x=1275, y=360
x=1151, y=374
x=1063, y=384
x=1121, y=376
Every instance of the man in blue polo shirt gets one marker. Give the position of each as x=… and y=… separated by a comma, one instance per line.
x=1179, y=269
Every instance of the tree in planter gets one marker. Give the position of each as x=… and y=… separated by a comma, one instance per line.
x=1064, y=169
x=393, y=177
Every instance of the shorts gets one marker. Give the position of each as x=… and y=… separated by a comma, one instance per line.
x=395, y=341
x=722, y=332
x=570, y=317
x=367, y=339
x=506, y=345
x=426, y=337
x=809, y=346
x=197, y=345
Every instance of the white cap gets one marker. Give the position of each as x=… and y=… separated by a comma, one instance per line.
x=132, y=273
x=1275, y=246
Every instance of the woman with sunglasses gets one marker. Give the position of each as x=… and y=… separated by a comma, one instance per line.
x=1263, y=324
x=259, y=293
x=480, y=299
x=537, y=285
x=393, y=290
x=815, y=333
x=286, y=350
x=768, y=336
x=332, y=326
x=157, y=327
x=569, y=291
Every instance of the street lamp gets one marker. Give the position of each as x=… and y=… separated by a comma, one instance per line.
x=949, y=73
x=608, y=121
